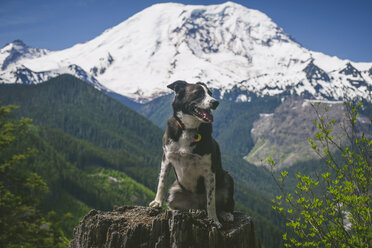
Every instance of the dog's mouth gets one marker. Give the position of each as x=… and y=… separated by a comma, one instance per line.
x=204, y=114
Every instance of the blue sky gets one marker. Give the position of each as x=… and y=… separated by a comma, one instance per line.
x=336, y=27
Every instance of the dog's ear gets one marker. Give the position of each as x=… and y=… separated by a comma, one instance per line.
x=177, y=86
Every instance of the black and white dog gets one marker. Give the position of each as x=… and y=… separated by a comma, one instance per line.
x=188, y=146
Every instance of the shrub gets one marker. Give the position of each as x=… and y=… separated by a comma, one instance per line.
x=331, y=209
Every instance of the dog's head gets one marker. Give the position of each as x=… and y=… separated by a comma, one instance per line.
x=194, y=100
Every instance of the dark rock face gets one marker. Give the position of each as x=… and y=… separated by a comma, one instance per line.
x=313, y=72
x=131, y=227
x=351, y=70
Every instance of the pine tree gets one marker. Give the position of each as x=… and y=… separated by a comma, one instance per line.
x=22, y=224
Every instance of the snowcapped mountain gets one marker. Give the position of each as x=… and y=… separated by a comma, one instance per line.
x=13, y=69
x=16, y=50
x=231, y=47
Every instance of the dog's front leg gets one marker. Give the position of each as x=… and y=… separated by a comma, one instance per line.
x=164, y=172
x=210, y=186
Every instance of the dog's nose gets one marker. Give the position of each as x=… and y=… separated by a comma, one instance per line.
x=214, y=104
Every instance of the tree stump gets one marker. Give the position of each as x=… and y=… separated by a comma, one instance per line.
x=135, y=226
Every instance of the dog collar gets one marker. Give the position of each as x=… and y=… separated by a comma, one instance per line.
x=179, y=124
x=197, y=138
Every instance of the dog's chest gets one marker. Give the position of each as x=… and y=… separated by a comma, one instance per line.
x=188, y=166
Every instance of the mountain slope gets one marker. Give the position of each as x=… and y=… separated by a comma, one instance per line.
x=13, y=72
x=70, y=105
x=283, y=134
x=227, y=45
x=95, y=152
x=76, y=187
x=17, y=50
x=89, y=147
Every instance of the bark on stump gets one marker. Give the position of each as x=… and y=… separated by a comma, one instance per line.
x=131, y=227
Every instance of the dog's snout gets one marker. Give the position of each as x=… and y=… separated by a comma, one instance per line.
x=214, y=104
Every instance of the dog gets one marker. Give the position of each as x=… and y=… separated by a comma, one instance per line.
x=188, y=147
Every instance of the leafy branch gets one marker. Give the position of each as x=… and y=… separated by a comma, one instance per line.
x=332, y=209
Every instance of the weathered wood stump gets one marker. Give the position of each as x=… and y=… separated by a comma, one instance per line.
x=131, y=227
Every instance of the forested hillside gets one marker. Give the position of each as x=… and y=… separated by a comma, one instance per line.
x=89, y=147
x=71, y=106
x=94, y=152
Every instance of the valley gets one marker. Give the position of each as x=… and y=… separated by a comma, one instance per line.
x=94, y=152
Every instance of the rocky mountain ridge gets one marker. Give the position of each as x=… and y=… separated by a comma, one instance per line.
x=16, y=50
x=283, y=135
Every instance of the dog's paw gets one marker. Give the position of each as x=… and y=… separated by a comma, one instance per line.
x=217, y=224
x=155, y=204
x=226, y=216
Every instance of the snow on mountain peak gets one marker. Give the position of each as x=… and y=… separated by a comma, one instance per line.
x=16, y=50
x=16, y=44
x=225, y=45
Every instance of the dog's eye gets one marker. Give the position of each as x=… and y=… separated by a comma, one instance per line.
x=199, y=93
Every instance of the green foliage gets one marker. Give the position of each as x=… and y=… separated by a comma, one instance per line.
x=71, y=105
x=123, y=189
x=158, y=110
x=78, y=130
x=69, y=165
x=112, y=135
x=333, y=208
x=68, y=209
x=267, y=229
x=22, y=224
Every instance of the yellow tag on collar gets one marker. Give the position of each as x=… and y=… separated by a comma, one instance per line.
x=197, y=138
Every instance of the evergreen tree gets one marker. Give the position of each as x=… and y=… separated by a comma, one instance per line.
x=21, y=222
